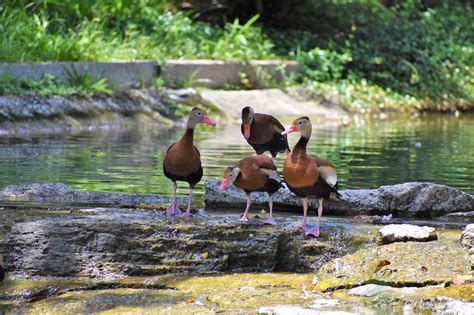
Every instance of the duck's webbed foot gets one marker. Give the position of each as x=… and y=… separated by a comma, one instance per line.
x=173, y=210
x=311, y=231
x=269, y=221
x=244, y=218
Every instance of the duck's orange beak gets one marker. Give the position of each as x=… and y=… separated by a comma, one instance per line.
x=208, y=121
x=224, y=184
x=290, y=129
x=247, y=131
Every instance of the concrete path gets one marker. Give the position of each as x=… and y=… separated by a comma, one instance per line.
x=272, y=101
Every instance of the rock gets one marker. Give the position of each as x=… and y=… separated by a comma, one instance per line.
x=406, y=232
x=467, y=237
x=450, y=306
x=396, y=264
x=124, y=241
x=467, y=241
x=403, y=200
x=63, y=194
x=469, y=216
x=369, y=290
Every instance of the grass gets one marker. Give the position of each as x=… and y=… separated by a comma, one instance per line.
x=372, y=56
x=83, y=85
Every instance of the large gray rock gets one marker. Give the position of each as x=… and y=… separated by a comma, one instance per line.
x=406, y=200
x=111, y=241
x=406, y=232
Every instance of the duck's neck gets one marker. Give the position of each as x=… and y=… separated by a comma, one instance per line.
x=300, y=146
x=188, y=136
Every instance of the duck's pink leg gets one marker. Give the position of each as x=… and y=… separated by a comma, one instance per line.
x=244, y=217
x=173, y=209
x=187, y=214
x=305, y=212
x=315, y=231
x=270, y=220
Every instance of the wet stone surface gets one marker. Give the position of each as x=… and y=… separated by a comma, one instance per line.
x=120, y=241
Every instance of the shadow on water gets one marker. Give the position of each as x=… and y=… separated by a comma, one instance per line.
x=367, y=152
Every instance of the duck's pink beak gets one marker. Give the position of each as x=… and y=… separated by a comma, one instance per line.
x=224, y=184
x=290, y=129
x=246, y=131
x=208, y=121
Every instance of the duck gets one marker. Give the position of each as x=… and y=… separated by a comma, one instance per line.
x=254, y=173
x=182, y=160
x=263, y=132
x=307, y=176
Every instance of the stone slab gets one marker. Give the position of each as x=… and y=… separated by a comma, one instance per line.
x=219, y=74
x=406, y=232
x=119, y=74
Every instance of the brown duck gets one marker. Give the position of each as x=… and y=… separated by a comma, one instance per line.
x=307, y=176
x=183, y=161
x=263, y=132
x=254, y=173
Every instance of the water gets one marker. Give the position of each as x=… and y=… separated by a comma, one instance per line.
x=368, y=152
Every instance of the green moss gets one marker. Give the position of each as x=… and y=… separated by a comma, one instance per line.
x=397, y=264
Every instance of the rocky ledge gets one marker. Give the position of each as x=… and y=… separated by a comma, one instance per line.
x=55, y=114
x=402, y=200
x=100, y=242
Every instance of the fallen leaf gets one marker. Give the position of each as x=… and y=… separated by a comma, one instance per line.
x=381, y=264
x=205, y=255
x=189, y=301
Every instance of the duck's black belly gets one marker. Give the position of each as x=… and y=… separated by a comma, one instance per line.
x=279, y=143
x=318, y=190
x=192, y=178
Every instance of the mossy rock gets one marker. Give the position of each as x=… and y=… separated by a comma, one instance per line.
x=397, y=264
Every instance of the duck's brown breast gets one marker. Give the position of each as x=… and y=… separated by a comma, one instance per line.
x=300, y=170
x=182, y=159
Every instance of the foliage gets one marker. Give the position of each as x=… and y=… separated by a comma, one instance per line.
x=48, y=85
x=119, y=30
x=412, y=49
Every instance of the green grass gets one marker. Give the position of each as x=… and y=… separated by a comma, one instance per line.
x=83, y=85
x=373, y=56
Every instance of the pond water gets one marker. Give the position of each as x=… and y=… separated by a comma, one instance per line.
x=368, y=152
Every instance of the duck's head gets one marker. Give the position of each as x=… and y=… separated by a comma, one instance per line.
x=302, y=125
x=247, y=119
x=230, y=174
x=198, y=116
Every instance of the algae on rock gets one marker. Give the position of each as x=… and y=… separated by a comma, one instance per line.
x=397, y=264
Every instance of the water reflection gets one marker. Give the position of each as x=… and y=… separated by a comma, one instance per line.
x=367, y=153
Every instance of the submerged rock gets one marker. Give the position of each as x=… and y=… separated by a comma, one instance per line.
x=405, y=200
x=406, y=232
x=396, y=264
x=369, y=290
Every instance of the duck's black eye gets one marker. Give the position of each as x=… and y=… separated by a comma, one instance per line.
x=300, y=123
x=199, y=113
